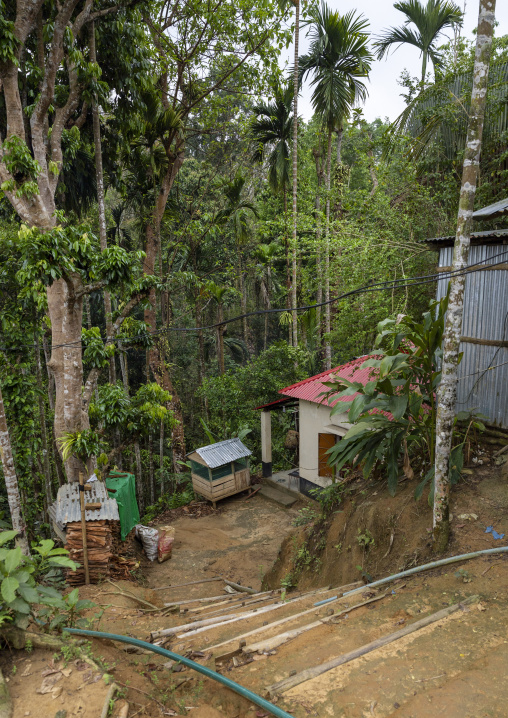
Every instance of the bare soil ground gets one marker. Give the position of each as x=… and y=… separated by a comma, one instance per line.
x=40, y=687
x=240, y=541
x=382, y=534
x=455, y=668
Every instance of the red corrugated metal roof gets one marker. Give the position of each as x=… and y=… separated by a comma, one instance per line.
x=312, y=389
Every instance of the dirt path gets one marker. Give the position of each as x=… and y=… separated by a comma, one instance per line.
x=240, y=543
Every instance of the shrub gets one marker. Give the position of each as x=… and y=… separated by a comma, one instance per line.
x=22, y=597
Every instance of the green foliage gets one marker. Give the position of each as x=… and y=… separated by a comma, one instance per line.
x=339, y=60
x=64, y=250
x=271, y=132
x=305, y=516
x=233, y=396
x=429, y=21
x=96, y=354
x=8, y=41
x=181, y=497
x=329, y=497
x=393, y=415
x=82, y=444
x=20, y=593
x=365, y=539
x=19, y=161
x=46, y=558
x=58, y=611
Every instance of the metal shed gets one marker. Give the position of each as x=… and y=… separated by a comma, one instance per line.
x=220, y=470
x=483, y=371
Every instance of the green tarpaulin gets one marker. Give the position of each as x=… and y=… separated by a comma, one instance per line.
x=122, y=487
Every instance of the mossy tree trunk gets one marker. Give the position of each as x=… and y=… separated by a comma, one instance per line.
x=447, y=392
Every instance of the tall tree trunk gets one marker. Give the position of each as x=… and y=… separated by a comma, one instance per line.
x=318, y=159
x=294, y=287
x=340, y=137
x=11, y=481
x=424, y=65
x=447, y=391
x=220, y=340
x=44, y=434
x=99, y=175
x=288, y=264
x=139, y=478
x=243, y=304
x=161, y=456
x=156, y=358
x=201, y=352
x=267, y=304
x=328, y=348
x=151, y=477
x=66, y=312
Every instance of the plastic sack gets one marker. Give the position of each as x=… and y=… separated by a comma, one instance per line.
x=149, y=538
x=165, y=545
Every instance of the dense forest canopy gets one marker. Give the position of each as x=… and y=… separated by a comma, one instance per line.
x=146, y=227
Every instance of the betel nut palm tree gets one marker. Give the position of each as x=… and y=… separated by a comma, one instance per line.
x=236, y=214
x=338, y=62
x=422, y=28
x=272, y=130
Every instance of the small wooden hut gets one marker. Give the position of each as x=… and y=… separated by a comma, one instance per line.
x=220, y=470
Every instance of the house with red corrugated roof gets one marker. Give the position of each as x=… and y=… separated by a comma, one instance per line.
x=318, y=431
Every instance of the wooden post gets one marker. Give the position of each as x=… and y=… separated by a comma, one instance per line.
x=83, y=527
x=266, y=443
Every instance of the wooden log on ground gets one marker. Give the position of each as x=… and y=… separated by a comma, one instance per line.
x=239, y=604
x=239, y=617
x=310, y=673
x=261, y=629
x=191, y=583
x=240, y=600
x=237, y=587
x=270, y=643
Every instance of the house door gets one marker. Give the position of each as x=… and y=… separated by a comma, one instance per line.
x=325, y=442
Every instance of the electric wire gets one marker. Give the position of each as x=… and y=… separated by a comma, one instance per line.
x=365, y=289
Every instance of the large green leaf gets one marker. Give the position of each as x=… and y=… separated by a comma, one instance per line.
x=357, y=408
x=29, y=593
x=398, y=405
x=7, y=536
x=19, y=605
x=63, y=561
x=45, y=547
x=8, y=588
x=429, y=476
x=13, y=559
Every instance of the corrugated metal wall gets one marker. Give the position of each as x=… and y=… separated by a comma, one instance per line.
x=483, y=371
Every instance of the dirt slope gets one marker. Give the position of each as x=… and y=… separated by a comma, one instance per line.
x=373, y=534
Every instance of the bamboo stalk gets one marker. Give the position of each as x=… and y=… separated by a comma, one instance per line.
x=310, y=673
x=270, y=643
x=191, y=583
x=83, y=527
x=294, y=616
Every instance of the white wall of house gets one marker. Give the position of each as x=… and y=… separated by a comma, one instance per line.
x=315, y=419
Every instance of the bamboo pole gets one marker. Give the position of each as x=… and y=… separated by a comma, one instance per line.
x=83, y=527
x=309, y=673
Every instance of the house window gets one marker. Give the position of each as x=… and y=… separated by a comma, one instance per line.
x=325, y=442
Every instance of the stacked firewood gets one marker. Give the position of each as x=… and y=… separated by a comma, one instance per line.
x=106, y=552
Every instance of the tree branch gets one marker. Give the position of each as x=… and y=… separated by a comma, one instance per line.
x=89, y=288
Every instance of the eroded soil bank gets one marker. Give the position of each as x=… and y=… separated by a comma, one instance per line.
x=372, y=534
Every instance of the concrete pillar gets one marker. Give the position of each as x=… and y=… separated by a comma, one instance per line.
x=266, y=443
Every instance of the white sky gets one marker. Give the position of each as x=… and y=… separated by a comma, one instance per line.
x=384, y=93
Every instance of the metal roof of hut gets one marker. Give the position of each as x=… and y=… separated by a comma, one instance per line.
x=497, y=209
x=223, y=452
x=67, y=509
x=489, y=236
